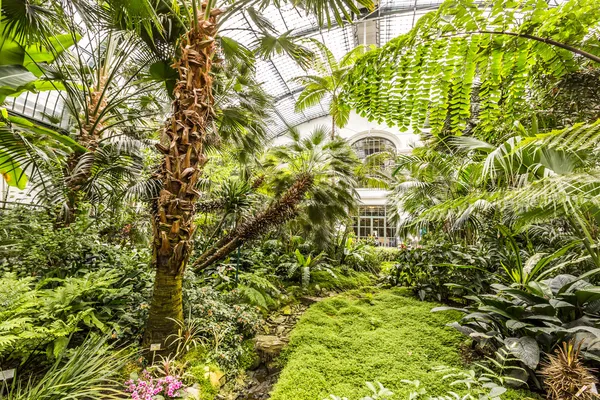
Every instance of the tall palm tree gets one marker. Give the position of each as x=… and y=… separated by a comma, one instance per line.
x=188, y=129
x=327, y=83
x=187, y=47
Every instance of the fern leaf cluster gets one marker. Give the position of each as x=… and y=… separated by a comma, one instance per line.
x=44, y=315
x=466, y=61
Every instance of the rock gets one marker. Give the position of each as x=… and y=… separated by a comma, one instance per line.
x=279, y=320
x=261, y=374
x=308, y=300
x=280, y=330
x=214, y=376
x=268, y=346
x=191, y=393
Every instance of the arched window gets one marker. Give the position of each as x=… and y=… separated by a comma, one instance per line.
x=371, y=145
x=367, y=150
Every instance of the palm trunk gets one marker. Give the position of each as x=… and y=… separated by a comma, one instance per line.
x=279, y=212
x=175, y=209
x=332, y=128
x=166, y=300
x=89, y=138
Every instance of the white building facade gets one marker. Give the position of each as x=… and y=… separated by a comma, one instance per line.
x=367, y=138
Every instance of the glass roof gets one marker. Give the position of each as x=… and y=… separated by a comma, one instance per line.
x=391, y=19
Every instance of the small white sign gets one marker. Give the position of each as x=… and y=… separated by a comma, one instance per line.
x=7, y=374
x=155, y=347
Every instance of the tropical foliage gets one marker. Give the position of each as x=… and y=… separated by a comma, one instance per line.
x=464, y=66
x=159, y=225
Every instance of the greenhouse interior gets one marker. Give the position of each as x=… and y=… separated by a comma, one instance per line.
x=300, y=199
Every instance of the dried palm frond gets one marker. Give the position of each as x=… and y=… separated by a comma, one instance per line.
x=566, y=377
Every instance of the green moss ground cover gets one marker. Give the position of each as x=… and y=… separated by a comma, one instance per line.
x=344, y=280
x=345, y=341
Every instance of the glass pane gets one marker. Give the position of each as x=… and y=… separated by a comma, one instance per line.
x=365, y=227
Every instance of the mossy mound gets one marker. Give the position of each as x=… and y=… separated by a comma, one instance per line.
x=387, y=336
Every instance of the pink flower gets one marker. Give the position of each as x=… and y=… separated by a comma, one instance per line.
x=146, y=388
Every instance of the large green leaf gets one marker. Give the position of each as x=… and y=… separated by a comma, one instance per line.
x=35, y=54
x=11, y=171
x=16, y=51
x=525, y=349
x=15, y=76
x=162, y=71
x=27, y=125
x=588, y=294
x=14, y=79
x=11, y=52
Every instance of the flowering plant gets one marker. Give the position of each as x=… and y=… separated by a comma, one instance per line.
x=149, y=388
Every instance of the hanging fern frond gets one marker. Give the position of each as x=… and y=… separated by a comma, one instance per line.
x=470, y=61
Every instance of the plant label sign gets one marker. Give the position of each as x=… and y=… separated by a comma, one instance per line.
x=155, y=347
x=7, y=374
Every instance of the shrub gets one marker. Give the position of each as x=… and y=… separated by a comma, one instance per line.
x=255, y=288
x=360, y=256
x=303, y=267
x=387, y=254
x=38, y=248
x=534, y=318
x=48, y=257
x=224, y=321
x=441, y=271
x=47, y=315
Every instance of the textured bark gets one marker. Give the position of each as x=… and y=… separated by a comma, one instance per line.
x=280, y=211
x=208, y=206
x=90, y=139
x=184, y=158
x=166, y=300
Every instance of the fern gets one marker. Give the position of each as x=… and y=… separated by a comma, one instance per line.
x=463, y=52
x=257, y=290
x=48, y=313
x=253, y=296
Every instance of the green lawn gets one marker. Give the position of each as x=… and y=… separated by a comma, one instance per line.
x=342, y=342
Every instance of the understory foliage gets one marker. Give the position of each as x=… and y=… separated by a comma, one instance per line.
x=220, y=322
x=443, y=271
x=89, y=371
x=60, y=285
x=46, y=315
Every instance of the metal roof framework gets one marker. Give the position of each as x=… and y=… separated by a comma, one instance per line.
x=391, y=19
